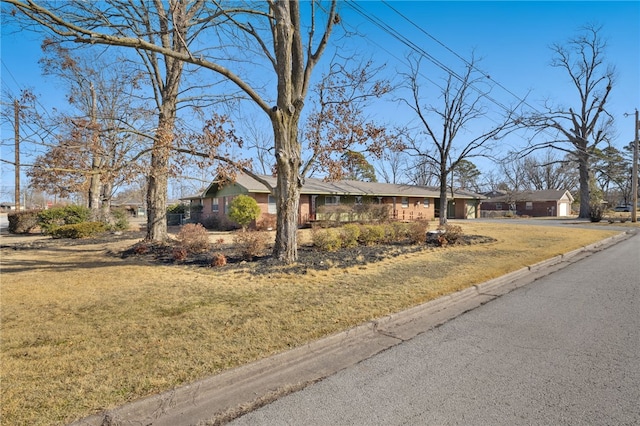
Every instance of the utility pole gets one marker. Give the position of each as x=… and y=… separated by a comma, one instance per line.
x=16, y=126
x=634, y=174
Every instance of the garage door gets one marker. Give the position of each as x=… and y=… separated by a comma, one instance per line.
x=563, y=209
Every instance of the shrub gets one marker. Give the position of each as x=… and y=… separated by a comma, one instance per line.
x=372, y=234
x=370, y=212
x=195, y=212
x=417, y=231
x=268, y=222
x=78, y=230
x=596, y=212
x=396, y=232
x=120, y=220
x=244, y=210
x=59, y=216
x=142, y=248
x=179, y=253
x=334, y=215
x=194, y=238
x=326, y=239
x=218, y=260
x=76, y=214
x=251, y=244
x=211, y=222
x=349, y=235
x=23, y=222
x=177, y=208
x=451, y=234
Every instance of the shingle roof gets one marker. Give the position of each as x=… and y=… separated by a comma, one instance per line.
x=544, y=195
x=313, y=186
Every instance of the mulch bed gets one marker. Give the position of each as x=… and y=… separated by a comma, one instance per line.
x=309, y=258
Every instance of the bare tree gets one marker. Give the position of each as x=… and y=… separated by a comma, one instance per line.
x=275, y=30
x=422, y=171
x=579, y=129
x=442, y=140
x=514, y=176
x=550, y=172
x=392, y=166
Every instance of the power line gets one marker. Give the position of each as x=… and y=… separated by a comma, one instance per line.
x=521, y=100
x=413, y=46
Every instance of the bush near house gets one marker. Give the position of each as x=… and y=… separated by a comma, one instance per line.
x=120, y=220
x=52, y=218
x=23, y=222
x=352, y=235
x=349, y=235
x=450, y=234
x=193, y=238
x=596, y=211
x=78, y=230
x=367, y=212
x=251, y=244
x=326, y=239
x=244, y=210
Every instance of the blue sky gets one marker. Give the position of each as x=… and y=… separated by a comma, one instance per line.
x=511, y=37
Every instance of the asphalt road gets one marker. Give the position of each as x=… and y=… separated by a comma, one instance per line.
x=564, y=350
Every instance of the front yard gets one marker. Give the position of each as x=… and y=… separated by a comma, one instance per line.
x=84, y=329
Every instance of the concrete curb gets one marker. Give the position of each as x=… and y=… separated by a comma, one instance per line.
x=218, y=399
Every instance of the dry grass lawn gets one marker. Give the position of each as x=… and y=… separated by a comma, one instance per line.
x=83, y=332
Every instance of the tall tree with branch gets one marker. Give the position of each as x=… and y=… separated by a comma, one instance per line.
x=274, y=29
x=443, y=139
x=579, y=129
x=96, y=144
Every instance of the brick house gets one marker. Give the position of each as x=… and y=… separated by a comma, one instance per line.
x=319, y=198
x=546, y=203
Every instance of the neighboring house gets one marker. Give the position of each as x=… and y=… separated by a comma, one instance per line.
x=132, y=207
x=550, y=202
x=317, y=198
x=5, y=207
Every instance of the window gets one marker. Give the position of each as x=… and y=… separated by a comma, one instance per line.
x=405, y=202
x=498, y=206
x=214, y=205
x=271, y=208
x=529, y=205
x=426, y=203
x=331, y=200
x=358, y=201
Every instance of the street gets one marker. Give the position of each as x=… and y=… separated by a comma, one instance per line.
x=562, y=350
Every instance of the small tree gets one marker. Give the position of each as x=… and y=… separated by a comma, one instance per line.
x=243, y=210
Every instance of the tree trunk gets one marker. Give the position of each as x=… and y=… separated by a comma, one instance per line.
x=157, y=181
x=95, y=189
x=94, y=181
x=585, y=192
x=443, y=200
x=287, y=191
x=105, y=202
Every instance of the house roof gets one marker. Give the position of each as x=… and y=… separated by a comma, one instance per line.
x=313, y=186
x=544, y=195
